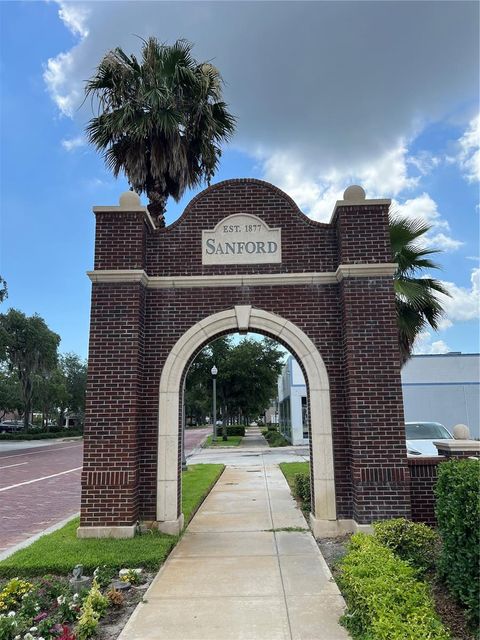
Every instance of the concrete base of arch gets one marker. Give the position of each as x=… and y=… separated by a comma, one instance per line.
x=243, y=318
x=332, y=528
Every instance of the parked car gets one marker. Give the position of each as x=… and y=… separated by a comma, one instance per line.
x=421, y=435
x=12, y=426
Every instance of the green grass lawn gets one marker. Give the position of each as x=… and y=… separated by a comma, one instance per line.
x=196, y=485
x=231, y=441
x=60, y=551
x=289, y=469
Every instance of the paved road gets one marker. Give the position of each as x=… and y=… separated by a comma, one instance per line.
x=38, y=487
x=40, y=484
x=194, y=438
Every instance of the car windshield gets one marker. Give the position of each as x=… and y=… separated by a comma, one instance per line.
x=426, y=431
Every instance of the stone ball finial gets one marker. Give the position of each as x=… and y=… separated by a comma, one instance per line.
x=354, y=193
x=130, y=200
x=461, y=432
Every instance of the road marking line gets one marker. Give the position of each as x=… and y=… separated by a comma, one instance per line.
x=19, y=464
x=46, y=450
x=54, y=475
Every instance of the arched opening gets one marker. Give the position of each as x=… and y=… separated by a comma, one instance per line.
x=244, y=318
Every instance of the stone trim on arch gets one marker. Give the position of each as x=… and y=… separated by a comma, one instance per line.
x=242, y=318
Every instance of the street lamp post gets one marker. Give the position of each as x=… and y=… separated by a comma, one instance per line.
x=214, y=372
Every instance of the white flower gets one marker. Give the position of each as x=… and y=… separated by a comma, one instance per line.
x=61, y=599
x=28, y=636
x=37, y=607
x=11, y=614
x=33, y=629
x=75, y=597
x=17, y=638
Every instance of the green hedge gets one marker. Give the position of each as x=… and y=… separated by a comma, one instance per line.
x=301, y=489
x=41, y=435
x=414, y=542
x=385, y=599
x=233, y=430
x=458, y=516
x=275, y=439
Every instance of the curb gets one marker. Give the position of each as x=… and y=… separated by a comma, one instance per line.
x=26, y=543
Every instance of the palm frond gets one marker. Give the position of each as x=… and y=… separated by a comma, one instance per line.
x=165, y=106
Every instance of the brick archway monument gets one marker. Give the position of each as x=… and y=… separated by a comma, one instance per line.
x=242, y=257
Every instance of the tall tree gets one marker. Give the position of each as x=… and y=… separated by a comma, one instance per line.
x=246, y=379
x=28, y=347
x=10, y=394
x=416, y=295
x=74, y=371
x=162, y=119
x=49, y=393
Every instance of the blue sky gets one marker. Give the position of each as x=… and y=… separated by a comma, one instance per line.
x=398, y=115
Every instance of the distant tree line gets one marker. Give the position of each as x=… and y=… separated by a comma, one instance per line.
x=34, y=376
x=246, y=380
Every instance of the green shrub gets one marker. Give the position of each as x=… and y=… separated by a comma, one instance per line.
x=233, y=430
x=301, y=489
x=385, y=599
x=41, y=435
x=88, y=622
x=275, y=439
x=413, y=542
x=12, y=593
x=272, y=427
x=104, y=575
x=458, y=516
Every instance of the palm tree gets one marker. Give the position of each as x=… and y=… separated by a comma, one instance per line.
x=162, y=119
x=416, y=297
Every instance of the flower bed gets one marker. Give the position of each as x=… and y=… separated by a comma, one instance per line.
x=49, y=608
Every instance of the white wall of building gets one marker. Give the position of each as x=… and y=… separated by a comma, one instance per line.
x=292, y=397
x=443, y=388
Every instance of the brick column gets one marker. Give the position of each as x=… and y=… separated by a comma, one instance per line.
x=109, y=505
x=380, y=475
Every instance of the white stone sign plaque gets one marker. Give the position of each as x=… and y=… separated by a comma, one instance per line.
x=241, y=239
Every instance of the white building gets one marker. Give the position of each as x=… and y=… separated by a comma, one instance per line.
x=443, y=388
x=292, y=403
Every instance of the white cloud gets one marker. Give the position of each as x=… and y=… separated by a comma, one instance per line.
x=424, y=344
x=292, y=95
x=442, y=242
x=75, y=17
x=387, y=176
x=464, y=303
x=71, y=144
x=57, y=73
x=424, y=208
x=425, y=162
x=468, y=157
x=316, y=194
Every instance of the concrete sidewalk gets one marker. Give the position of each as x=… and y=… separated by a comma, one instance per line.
x=253, y=439
x=235, y=575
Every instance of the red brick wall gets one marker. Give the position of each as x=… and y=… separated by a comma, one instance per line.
x=423, y=476
x=352, y=325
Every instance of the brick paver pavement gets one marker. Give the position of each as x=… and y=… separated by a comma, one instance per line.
x=194, y=438
x=38, y=487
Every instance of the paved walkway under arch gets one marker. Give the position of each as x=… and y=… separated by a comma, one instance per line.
x=235, y=575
